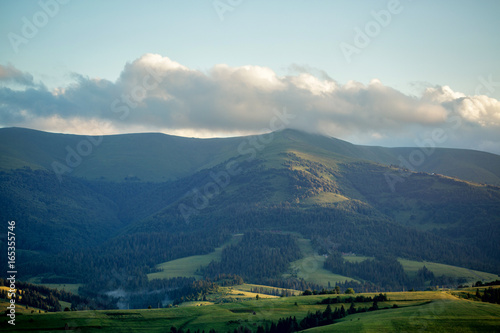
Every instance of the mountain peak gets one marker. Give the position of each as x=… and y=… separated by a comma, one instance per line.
x=161, y=157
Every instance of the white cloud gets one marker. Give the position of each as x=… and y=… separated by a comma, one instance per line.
x=482, y=110
x=154, y=93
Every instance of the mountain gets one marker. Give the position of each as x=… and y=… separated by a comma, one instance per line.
x=149, y=157
x=160, y=157
x=104, y=211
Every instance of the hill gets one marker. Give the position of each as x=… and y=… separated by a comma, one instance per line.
x=160, y=157
x=137, y=201
x=414, y=312
x=147, y=157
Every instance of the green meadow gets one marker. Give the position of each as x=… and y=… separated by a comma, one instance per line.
x=309, y=267
x=187, y=267
x=411, y=267
x=435, y=311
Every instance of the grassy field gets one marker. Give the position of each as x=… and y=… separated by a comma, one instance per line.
x=20, y=309
x=249, y=287
x=310, y=267
x=243, y=294
x=435, y=311
x=325, y=198
x=437, y=316
x=71, y=287
x=187, y=266
x=411, y=267
x=351, y=258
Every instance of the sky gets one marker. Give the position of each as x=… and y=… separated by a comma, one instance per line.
x=390, y=73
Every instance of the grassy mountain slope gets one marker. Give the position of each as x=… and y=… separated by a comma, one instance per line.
x=148, y=157
x=159, y=157
x=332, y=192
x=435, y=311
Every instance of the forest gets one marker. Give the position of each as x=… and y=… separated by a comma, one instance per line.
x=259, y=256
x=110, y=235
x=47, y=299
x=387, y=273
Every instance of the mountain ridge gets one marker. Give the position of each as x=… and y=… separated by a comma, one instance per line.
x=162, y=157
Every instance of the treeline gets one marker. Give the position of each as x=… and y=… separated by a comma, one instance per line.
x=225, y=280
x=387, y=273
x=173, y=329
x=272, y=291
x=490, y=295
x=48, y=299
x=122, y=263
x=315, y=319
x=358, y=299
x=361, y=228
x=483, y=284
x=311, y=320
x=196, y=291
x=34, y=299
x=290, y=283
x=259, y=255
x=461, y=212
x=173, y=291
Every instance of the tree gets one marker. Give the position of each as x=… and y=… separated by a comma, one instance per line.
x=342, y=312
x=352, y=309
x=257, y=297
x=328, y=313
x=349, y=291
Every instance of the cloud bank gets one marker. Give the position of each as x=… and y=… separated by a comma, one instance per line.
x=154, y=93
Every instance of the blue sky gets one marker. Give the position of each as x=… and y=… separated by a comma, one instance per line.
x=425, y=45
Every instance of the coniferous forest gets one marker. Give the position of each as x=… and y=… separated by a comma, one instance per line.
x=108, y=235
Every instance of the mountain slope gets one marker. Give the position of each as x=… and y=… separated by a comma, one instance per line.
x=148, y=157
x=159, y=157
x=110, y=234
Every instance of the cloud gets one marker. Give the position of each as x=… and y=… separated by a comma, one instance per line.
x=155, y=93
x=10, y=74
